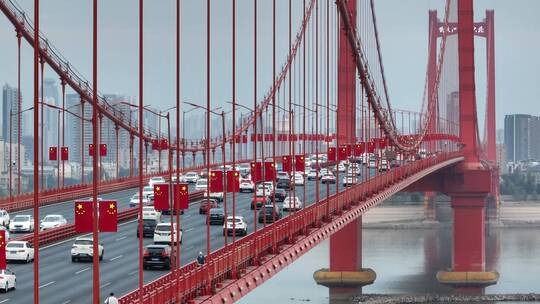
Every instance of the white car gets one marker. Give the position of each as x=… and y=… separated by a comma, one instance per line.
x=149, y=213
x=155, y=180
x=352, y=171
x=148, y=191
x=215, y=195
x=83, y=249
x=298, y=179
x=292, y=203
x=240, y=226
x=135, y=199
x=202, y=184
x=7, y=280
x=269, y=185
x=349, y=180
x=182, y=179
x=328, y=178
x=52, y=221
x=191, y=177
x=282, y=175
x=22, y=223
x=312, y=174
x=4, y=218
x=246, y=185
x=162, y=233
x=263, y=190
x=384, y=165
x=19, y=251
x=372, y=163
x=341, y=168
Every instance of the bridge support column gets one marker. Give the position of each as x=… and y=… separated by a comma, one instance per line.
x=346, y=276
x=469, y=256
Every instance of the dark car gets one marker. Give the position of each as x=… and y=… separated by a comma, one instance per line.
x=258, y=201
x=207, y=205
x=168, y=212
x=217, y=216
x=280, y=194
x=268, y=212
x=157, y=256
x=284, y=184
x=149, y=225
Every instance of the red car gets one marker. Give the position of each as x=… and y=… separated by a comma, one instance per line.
x=259, y=201
x=205, y=206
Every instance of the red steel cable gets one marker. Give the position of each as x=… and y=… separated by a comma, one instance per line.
x=141, y=130
x=208, y=125
x=95, y=177
x=36, y=150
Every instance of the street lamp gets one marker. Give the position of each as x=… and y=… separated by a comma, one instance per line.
x=222, y=114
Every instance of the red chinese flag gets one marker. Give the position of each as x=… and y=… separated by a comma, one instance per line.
x=155, y=144
x=256, y=172
x=342, y=153
x=3, y=242
x=161, y=196
x=299, y=163
x=350, y=149
x=269, y=171
x=102, y=149
x=83, y=216
x=286, y=163
x=53, y=153
x=216, y=181
x=331, y=154
x=91, y=149
x=108, y=216
x=244, y=139
x=359, y=148
x=233, y=181
x=64, y=153
x=371, y=147
x=181, y=196
x=164, y=144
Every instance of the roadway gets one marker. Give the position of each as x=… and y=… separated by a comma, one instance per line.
x=62, y=281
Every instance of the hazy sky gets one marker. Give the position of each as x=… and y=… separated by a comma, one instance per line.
x=402, y=27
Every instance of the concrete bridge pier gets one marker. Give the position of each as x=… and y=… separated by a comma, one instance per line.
x=346, y=276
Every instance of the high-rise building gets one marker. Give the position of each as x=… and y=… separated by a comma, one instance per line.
x=73, y=127
x=9, y=110
x=521, y=133
x=50, y=115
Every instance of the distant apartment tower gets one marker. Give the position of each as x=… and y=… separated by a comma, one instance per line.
x=8, y=111
x=521, y=137
x=50, y=115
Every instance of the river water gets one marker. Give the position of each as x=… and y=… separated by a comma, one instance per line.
x=406, y=262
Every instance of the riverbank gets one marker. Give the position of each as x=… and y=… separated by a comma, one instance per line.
x=510, y=215
x=433, y=298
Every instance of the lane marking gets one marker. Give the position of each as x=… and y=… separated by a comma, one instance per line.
x=45, y=285
x=3, y=301
x=133, y=272
x=188, y=248
x=105, y=285
x=66, y=302
x=189, y=229
x=116, y=258
x=82, y=270
x=121, y=238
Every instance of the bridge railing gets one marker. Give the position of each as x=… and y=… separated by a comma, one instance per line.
x=193, y=280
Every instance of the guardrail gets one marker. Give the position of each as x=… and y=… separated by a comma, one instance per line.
x=193, y=280
x=64, y=232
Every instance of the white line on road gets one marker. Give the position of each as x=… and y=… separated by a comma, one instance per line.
x=121, y=238
x=82, y=270
x=133, y=272
x=116, y=258
x=188, y=248
x=189, y=229
x=105, y=285
x=4, y=301
x=66, y=302
x=187, y=216
x=45, y=285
